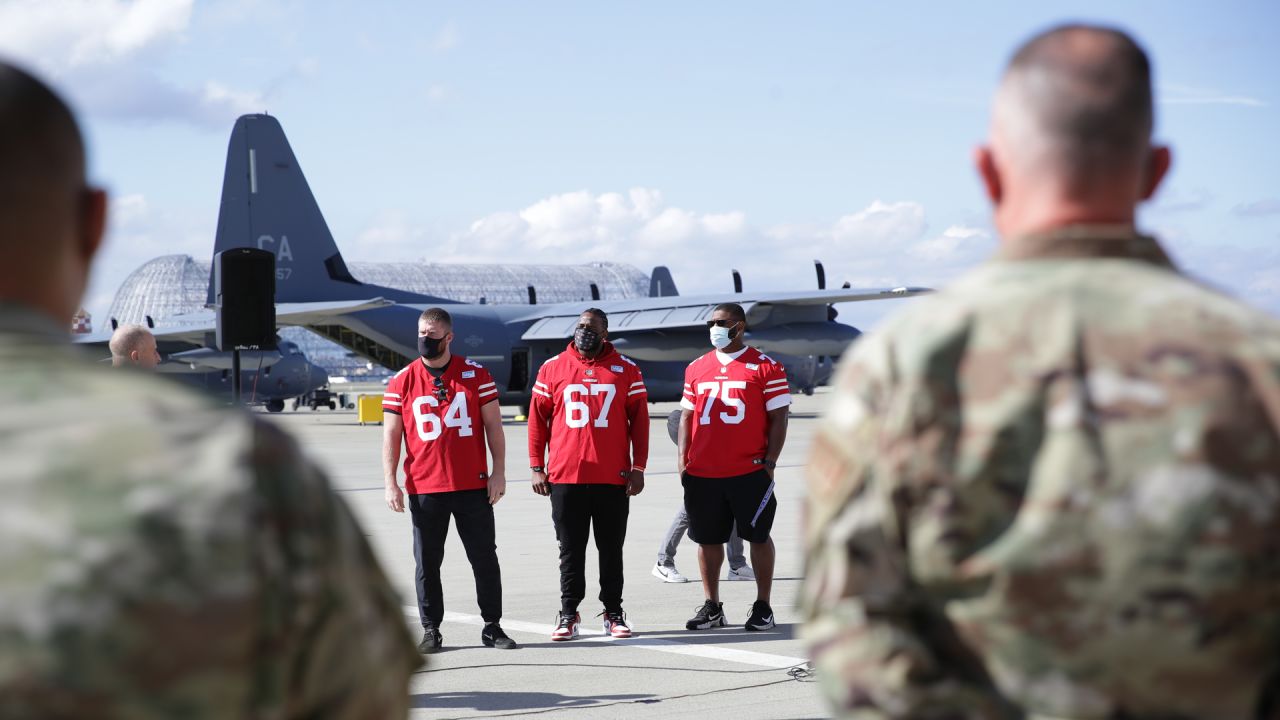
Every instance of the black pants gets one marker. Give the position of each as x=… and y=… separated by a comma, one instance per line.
x=575, y=509
x=474, y=515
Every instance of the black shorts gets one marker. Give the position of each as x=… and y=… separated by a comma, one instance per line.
x=715, y=504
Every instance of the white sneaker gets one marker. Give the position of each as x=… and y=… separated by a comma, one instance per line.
x=668, y=574
x=743, y=573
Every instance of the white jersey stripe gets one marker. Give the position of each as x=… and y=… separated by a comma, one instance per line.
x=394, y=395
x=487, y=385
x=641, y=391
x=780, y=388
x=638, y=383
x=776, y=382
x=777, y=401
x=543, y=394
x=390, y=402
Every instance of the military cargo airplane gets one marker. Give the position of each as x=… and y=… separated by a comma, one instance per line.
x=269, y=377
x=268, y=204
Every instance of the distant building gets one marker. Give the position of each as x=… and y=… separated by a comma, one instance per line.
x=176, y=284
x=81, y=323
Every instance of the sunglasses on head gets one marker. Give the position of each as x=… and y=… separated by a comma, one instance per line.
x=722, y=323
x=442, y=392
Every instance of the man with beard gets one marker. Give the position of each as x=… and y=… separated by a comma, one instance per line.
x=431, y=410
x=589, y=405
x=732, y=427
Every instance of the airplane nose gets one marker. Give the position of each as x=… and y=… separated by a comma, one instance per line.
x=319, y=376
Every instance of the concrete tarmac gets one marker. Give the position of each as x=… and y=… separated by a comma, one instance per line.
x=664, y=671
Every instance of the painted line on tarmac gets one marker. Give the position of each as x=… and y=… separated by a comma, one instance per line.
x=674, y=647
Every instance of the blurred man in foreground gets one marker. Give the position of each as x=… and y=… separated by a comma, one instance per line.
x=159, y=557
x=1053, y=489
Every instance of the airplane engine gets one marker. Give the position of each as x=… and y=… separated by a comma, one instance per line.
x=803, y=338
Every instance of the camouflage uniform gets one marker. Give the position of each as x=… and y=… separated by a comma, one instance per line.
x=1052, y=490
x=164, y=558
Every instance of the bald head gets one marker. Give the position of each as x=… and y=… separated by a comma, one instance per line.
x=1080, y=98
x=133, y=345
x=53, y=222
x=1073, y=117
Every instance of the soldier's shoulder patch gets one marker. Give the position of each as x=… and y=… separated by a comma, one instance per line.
x=468, y=374
x=616, y=368
x=753, y=366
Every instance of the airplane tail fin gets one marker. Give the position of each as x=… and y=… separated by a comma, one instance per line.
x=267, y=204
x=661, y=284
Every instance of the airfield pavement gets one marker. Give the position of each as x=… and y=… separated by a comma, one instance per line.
x=664, y=671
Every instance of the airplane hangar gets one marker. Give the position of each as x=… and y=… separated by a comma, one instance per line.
x=175, y=284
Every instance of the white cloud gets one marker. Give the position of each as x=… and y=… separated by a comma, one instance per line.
x=1187, y=95
x=107, y=54
x=447, y=38
x=138, y=232
x=127, y=210
x=59, y=35
x=639, y=227
x=218, y=98
x=956, y=243
x=437, y=93
x=1258, y=208
x=880, y=224
x=1171, y=200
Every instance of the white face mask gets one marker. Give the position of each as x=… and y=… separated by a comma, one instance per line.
x=720, y=337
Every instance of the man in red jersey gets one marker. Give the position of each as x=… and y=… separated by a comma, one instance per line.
x=432, y=407
x=732, y=428
x=589, y=404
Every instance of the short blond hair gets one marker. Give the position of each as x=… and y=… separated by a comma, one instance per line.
x=125, y=340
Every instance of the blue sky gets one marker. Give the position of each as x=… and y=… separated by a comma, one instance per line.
x=704, y=136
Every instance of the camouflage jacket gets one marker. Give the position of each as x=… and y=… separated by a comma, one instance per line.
x=161, y=557
x=1052, y=490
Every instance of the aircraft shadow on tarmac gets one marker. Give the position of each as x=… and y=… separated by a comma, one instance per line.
x=505, y=700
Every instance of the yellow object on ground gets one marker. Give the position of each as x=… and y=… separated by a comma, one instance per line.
x=369, y=409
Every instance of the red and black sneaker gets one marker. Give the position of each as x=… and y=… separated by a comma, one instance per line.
x=566, y=626
x=615, y=624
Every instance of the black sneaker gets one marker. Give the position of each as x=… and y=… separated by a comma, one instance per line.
x=761, y=616
x=431, y=641
x=492, y=636
x=710, y=615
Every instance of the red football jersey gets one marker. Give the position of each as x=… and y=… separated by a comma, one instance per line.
x=594, y=414
x=729, y=397
x=443, y=434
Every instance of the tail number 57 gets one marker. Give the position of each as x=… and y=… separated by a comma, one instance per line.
x=721, y=389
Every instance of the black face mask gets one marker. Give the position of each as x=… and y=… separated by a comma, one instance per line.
x=586, y=340
x=430, y=348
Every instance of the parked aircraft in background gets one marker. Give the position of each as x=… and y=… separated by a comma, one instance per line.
x=269, y=377
x=267, y=204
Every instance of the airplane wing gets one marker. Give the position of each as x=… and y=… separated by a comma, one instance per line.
x=553, y=322
x=194, y=327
